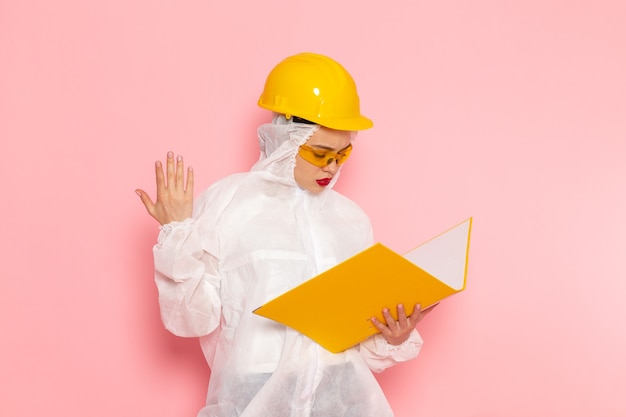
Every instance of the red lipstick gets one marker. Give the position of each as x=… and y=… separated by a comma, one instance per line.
x=323, y=182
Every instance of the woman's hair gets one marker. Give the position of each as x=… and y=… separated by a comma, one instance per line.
x=297, y=119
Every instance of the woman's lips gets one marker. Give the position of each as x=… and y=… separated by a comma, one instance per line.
x=323, y=182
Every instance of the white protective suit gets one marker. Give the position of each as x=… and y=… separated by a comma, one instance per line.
x=253, y=236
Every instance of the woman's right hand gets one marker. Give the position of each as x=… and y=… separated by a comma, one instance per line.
x=174, y=200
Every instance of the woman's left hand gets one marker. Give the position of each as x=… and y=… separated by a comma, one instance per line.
x=396, y=332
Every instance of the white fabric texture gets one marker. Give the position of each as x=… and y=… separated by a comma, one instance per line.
x=253, y=236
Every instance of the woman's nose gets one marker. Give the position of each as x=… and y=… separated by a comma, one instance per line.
x=332, y=167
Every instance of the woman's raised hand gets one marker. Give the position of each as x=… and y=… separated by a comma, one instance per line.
x=174, y=200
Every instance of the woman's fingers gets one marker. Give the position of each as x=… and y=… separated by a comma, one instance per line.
x=397, y=331
x=180, y=174
x=189, y=185
x=146, y=200
x=173, y=179
x=160, y=179
x=391, y=322
x=416, y=315
x=170, y=171
x=402, y=319
x=419, y=314
x=176, y=175
x=380, y=326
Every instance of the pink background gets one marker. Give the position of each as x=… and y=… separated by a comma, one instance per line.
x=513, y=112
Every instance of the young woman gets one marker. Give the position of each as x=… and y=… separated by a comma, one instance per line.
x=254, y=235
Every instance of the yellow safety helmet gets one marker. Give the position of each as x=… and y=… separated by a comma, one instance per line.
x=316, y=88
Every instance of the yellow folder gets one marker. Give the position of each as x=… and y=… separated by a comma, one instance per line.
x=335, y=307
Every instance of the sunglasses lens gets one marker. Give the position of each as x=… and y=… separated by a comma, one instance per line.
x=322, y=158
